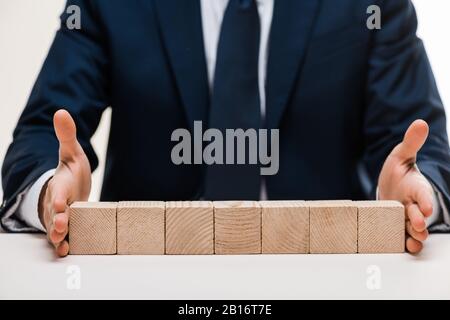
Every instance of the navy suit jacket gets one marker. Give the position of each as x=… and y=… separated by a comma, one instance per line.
x=342, y=96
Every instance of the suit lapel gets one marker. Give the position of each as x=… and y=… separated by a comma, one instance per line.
x=181, y=29
x=292, y=25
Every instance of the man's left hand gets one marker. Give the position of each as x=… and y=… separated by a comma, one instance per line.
x=401, y=180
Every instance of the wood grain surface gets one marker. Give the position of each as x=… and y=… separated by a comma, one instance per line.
x=381, y=227
x=333, y=226
x=140, y=227
x=92, y=228
x=285, y=226
x=237, y=227
x=189, y=227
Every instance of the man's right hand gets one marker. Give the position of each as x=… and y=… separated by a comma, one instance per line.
x=71, y=182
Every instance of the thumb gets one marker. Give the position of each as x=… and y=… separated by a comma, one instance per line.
x=66, y=133
x=414, y=139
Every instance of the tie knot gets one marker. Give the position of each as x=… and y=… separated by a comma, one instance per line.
x=245, y=4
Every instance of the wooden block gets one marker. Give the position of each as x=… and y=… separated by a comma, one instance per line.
x=333, y=226
x=92, y=228
x=140, y=227
x=237, y=226
x=285, y=226
x=381, y=227
x=189, y=227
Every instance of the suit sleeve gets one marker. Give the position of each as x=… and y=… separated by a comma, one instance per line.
x=74, y=77
x=400, y=89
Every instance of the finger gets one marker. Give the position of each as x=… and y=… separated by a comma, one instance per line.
x=420, y=236
x=61, y=222
x=416, y=218
x=57, y=217
x=424, y=198
x=413, y=246
x=55, y=237
x=63, y=249
x=414, y=139
x=66, y=133
x=60, y=196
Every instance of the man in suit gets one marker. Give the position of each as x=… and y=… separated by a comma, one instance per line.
x=344, y=98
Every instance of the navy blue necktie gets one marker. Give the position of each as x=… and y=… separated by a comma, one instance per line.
x=235, y=100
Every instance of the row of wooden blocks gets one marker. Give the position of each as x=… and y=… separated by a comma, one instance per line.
x=236, y=227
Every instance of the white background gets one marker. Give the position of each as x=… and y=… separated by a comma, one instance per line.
x=237, y=277
x=27, y=28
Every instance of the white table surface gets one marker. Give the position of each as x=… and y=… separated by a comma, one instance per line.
x=29, y=269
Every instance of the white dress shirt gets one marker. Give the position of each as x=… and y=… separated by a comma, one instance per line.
x=212, y=13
